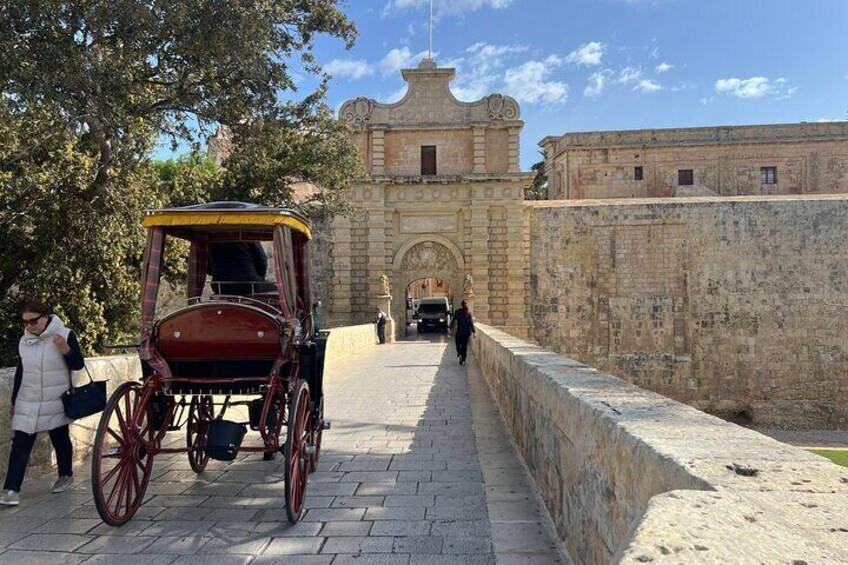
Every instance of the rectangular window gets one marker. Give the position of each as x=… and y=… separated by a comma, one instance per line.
x=768, y=175
x=685, y=177
x=637, y=173
x=428, y=159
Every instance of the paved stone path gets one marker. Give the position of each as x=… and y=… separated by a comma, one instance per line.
x=417, y=470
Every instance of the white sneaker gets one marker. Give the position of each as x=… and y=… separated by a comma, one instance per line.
x=10, y=498
x=62, y=484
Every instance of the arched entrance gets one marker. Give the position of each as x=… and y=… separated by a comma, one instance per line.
x=431, y=260
x=419, y=289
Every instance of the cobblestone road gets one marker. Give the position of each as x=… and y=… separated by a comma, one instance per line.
x=416, y=470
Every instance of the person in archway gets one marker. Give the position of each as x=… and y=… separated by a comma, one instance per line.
x=464, y=323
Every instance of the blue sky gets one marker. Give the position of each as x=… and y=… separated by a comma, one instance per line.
x=587, y=65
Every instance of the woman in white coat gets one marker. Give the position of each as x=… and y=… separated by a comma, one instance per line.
x=49, y=352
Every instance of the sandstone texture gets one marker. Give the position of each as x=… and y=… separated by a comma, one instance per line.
x=633, y=477
x=737, y=306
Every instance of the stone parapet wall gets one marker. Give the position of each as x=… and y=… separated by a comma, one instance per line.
x=737, y=306
x=630, y=476
x=349, y=340
x=115, y=369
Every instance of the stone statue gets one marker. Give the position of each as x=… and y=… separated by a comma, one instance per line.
x=384, y=285
x=468, y=286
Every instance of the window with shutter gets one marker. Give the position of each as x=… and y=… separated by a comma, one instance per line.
x=685, y=177
x=428, y=159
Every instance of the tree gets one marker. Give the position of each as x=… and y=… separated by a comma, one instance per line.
x=538, y=190
x=111, y=69
x=88, y=87
x=298, y=142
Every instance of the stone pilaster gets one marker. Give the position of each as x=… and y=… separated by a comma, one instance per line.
x=517, y=267
x=378, y=151
x=375, y=206
x=340, y=307
x=479, y=150
x=514, y=150
x=478, y=262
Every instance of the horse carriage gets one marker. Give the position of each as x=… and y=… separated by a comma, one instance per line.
x=257, y=349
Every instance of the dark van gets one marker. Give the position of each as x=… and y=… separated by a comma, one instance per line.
x=434, y=314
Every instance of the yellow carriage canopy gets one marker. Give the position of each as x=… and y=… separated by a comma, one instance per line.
x=223, y=216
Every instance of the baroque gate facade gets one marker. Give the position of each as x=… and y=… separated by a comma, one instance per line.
x=443, y=199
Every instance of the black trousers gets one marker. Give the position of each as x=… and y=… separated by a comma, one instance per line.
x=381, y=333
x=462, y=345
x=22, y=447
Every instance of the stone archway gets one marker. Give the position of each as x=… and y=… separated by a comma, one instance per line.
x=430, y=256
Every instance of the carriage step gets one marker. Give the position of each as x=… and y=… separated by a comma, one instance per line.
x=326, y=425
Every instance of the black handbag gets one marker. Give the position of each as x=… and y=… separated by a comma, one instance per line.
x=85, y=400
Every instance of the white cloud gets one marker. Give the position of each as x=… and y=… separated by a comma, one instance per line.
x=648, y=86
x=756, y=87
x=396, y=95
x=528, y=83
x=707, y=101
x=663, y=68
x=449, y=8
x=398, y=59
x=629, y=75
x=597, y=83
x=587, y=55
x=479, y=72
x=353, y=70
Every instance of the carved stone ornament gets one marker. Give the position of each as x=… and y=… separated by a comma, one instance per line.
x=357, y=111
x=428, y=255
x=468, y=286
x=500, y=107
x=384, y=286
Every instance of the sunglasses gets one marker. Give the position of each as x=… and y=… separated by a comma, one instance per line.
x=31, y=321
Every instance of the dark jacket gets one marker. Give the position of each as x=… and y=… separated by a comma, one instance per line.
x=236, y=261
x=464, y=323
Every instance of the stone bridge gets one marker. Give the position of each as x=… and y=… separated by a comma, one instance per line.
x=520, y=457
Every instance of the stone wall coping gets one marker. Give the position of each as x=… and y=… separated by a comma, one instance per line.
x=684, y=202
x=794, y=506
x=450, y=179
x=710, y=135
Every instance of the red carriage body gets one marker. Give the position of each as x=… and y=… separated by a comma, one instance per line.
x=256, y=349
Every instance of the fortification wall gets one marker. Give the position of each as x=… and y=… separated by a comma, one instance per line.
x=737, y=306
x=629, y=476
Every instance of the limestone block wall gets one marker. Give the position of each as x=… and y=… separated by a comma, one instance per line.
x=629, y=476
x=348, y=340
x=737, y=306
x=115, y=369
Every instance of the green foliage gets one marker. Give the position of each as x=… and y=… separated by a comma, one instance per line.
x=840, y=457
x=76, y=249
x=89, y=86
x=538, y=190
x=109, y=67
x=300, y=141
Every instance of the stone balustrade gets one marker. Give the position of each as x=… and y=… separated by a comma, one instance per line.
x=121, y=368
x=630, y=476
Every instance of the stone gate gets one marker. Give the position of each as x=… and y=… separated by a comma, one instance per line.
x=443, y=199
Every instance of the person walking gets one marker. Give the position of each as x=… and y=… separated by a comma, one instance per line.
x=464, y=323
x=48, y=353
x=381, y=325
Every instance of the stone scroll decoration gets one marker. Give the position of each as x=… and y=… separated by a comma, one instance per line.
x=358, y=111
x=429, y=256
x=500, y=107
x=468, y=287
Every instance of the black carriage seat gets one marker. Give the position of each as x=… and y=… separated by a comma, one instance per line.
x=220, y=340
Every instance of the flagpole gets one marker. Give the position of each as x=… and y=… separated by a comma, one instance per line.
x=430, y=34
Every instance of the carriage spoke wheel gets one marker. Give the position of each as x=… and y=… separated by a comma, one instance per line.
x=120, y=465
x=317, y=434
x=200, y=413
x=297, y=459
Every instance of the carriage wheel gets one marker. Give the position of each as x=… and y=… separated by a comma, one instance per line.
x=317, y=434
x=201, y=411
x=297, y=460
x=120, y=465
